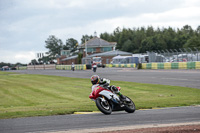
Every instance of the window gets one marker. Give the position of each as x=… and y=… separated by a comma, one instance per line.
x=90, y=50
x=105, y=49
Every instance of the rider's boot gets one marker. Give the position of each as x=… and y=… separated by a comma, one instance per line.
x=123, y=98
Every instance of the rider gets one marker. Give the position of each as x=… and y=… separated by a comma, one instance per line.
x=96, y=81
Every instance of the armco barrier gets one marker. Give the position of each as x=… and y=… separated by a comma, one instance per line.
x=68, y=67
x=173, y=65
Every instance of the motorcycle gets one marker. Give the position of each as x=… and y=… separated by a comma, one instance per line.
x=107, y=101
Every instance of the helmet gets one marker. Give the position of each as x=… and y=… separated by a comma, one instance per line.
x=95, y=79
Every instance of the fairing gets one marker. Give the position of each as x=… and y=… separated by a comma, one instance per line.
x=109, y=95
x=101, y=91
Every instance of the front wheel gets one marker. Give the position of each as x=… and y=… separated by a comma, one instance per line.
x=129, y=106
x=103, y=105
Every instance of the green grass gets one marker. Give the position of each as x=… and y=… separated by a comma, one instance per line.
x=23, y=95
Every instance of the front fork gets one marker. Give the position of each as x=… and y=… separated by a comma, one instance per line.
x=103, y=99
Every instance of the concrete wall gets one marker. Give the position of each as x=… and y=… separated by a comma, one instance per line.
x=68, y=67
x=35, y=67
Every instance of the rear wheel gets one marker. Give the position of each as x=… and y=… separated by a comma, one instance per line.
x=103, y=105
x=129, y=106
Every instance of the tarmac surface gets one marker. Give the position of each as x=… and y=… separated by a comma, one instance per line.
x=185, y=78
x=98, y=122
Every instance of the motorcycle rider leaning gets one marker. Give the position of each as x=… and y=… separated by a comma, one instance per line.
x=96, y=81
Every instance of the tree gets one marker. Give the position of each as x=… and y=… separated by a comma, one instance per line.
x=44, y=59
x=71, y=44
x=4, y=64
x=150, y=31
x=80, y=56
x=188, y=30
x=146, y=45
x=193, y=42
x=85, y=38
x=198, y=30
x=54, y=45
x=127, y=46
x=34, y=62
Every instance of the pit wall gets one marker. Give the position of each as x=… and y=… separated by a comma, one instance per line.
x=68, y=67
x=173, y=65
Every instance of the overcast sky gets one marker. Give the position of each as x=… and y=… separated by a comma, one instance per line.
x=26, y=24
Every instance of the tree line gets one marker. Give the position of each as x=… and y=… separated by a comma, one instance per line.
x=140, y=40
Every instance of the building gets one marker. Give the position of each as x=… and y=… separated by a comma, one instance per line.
x=63, y=55
x=95, y=47
x=107, y=56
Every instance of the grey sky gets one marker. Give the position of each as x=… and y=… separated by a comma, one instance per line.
x=26, y=24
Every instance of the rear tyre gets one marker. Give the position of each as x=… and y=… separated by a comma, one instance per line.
x=129, y=106
x=103, y=105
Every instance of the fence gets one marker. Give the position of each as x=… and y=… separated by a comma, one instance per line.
x=174, y=55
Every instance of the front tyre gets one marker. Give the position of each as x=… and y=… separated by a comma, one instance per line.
x=129, y=106
x=103, y=105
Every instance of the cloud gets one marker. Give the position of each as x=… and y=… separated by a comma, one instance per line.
x=24, y=56
x=26, y=24
x=18, y=56
x=176, y=18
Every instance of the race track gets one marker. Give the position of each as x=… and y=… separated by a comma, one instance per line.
x=99, y=120
x=186, y=78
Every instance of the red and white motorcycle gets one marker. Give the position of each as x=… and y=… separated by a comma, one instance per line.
x=107, y=101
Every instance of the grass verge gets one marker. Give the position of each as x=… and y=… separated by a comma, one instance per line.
x=23, y=95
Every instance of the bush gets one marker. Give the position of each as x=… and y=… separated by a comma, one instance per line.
x=139, y=66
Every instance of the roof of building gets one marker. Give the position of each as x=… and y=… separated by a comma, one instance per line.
x=69, y=58
x=111, y=53
x=98, y=42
